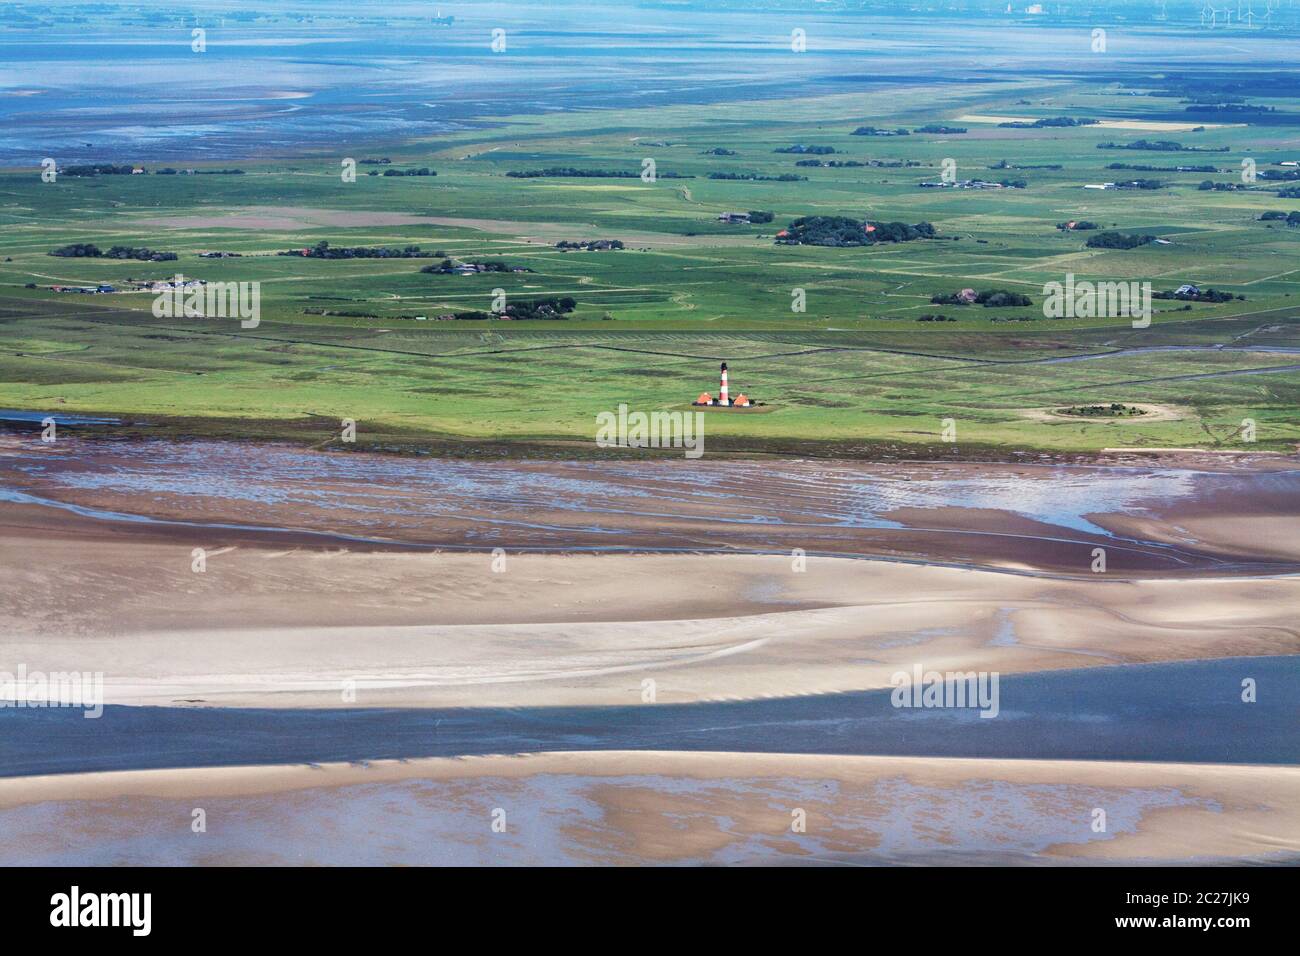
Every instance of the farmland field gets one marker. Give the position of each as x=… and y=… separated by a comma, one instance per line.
x=830, y=339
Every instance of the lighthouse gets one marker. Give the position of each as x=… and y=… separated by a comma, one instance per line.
x=724, y=398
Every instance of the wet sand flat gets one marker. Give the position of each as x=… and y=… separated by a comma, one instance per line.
x=1025, y=517
x=621, y=808
x=292, y=627
x=424, y=583
x=371, y=630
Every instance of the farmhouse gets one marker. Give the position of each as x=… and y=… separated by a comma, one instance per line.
x=964, y=184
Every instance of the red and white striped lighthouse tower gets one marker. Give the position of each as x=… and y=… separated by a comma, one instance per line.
x=724, y=398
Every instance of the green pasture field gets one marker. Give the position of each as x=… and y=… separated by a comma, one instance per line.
x=854, y=374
